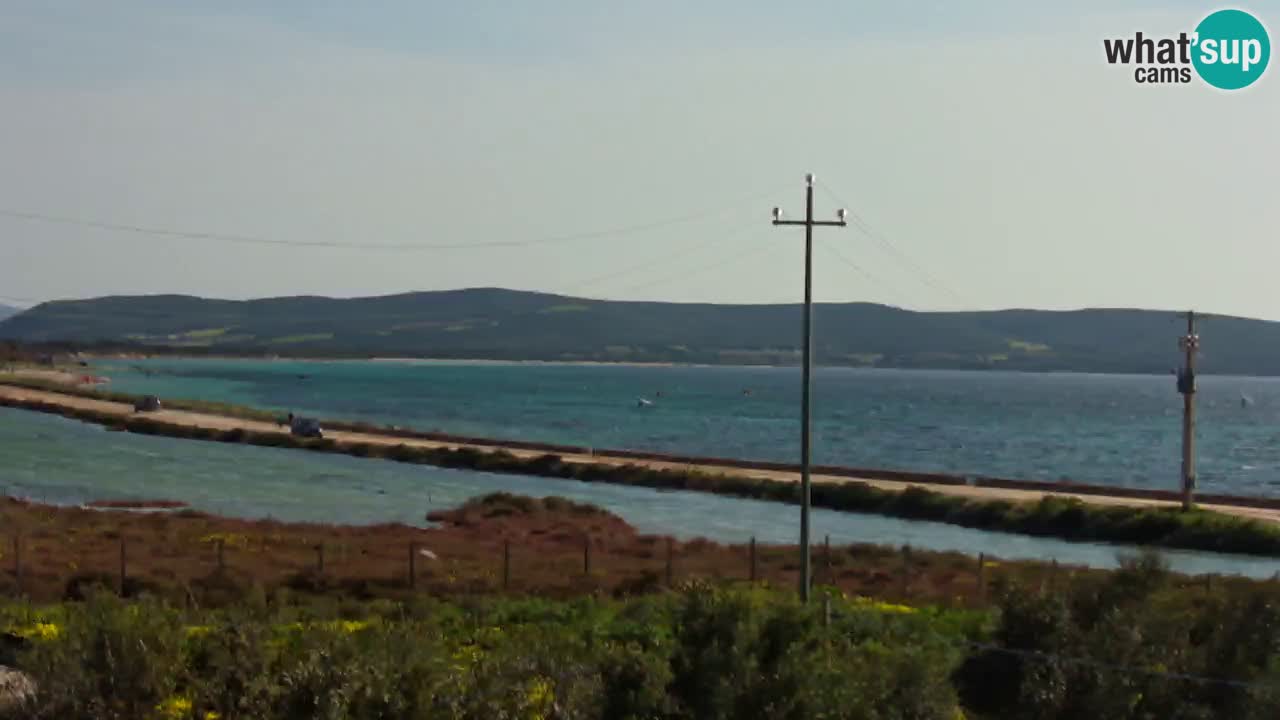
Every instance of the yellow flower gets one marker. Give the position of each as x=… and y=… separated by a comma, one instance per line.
x=488, y=636
x=193, y=631
x=539, y=699
x=465, y=657
x=883, y=607
x=353, y=626
x=39, y=631
x=344, y=626
x=175, y=708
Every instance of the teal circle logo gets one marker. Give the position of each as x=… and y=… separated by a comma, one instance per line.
x=1232, y=49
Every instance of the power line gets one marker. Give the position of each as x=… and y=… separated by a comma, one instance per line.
x=922, y=275
x=835, y=250
x=700, y=269
x=11, y=298
x=667, y=258
x=715, y=241
x=407, y=247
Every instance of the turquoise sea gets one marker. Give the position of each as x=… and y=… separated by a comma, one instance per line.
x=53, y=459
x=1106, y=429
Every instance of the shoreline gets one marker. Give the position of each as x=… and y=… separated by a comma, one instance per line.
x=266, y=357
x=972, y=485
x=1048, y=512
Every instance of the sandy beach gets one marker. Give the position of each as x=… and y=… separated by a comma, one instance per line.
x=204, y=420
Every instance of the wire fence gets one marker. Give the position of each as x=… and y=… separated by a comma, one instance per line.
x=45, y=567
x=154, y=556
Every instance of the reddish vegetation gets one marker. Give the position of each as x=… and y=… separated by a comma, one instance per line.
x=556, y=548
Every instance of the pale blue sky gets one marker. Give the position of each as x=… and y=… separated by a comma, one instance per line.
x=988, y=141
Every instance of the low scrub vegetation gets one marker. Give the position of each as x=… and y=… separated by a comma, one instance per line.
x=703, y=653
x=1127, y=644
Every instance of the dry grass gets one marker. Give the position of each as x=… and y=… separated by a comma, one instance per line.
x=557, y=549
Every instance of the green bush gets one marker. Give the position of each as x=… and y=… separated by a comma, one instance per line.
x=1129, y=644
x=701, y=653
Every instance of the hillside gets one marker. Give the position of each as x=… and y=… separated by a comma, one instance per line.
x=505, y=324
x=6, y=311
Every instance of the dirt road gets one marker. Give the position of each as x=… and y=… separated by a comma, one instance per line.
x=180, y=417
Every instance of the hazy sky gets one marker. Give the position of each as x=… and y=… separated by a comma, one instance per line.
x=989, y=142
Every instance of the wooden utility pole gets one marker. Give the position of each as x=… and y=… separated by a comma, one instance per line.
x=1190, y=345
x=808, y=223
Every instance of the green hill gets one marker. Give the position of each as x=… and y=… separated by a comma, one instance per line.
x=506, y=324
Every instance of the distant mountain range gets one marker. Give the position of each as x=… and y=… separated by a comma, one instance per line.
x=6, y=311
x=512, y=325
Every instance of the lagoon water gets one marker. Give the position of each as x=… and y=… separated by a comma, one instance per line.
x=53, y=459
x=1106, y=429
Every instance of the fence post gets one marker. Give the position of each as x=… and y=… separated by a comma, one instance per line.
x=17, y=561
x=670, y=560
x=753, y=558
x=826, y=611
x=123, y=565
x=320, y=559
x=1053, y=576
x=413, y=565
x=906, y=569
x=826, y=559
x=982, y=577
x=586, y=554
x=506, y=564
x=1208, y=582
x=222, y=564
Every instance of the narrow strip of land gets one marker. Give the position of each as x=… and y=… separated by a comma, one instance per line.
x=219, y=422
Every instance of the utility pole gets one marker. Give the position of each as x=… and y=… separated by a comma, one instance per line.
x=808, y=223
x=1190, y=345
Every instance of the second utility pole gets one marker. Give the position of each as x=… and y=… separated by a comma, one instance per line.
x=808, y=223
x=1190, y=344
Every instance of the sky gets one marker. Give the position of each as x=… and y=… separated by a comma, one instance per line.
x=629, y=150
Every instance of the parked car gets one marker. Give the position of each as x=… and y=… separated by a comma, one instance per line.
x=149, y=403
x=306, y=427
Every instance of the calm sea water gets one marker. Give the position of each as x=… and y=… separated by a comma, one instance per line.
x=53, y=459
x=1108, y=429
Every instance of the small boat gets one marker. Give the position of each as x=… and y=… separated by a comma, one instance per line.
x=1245, y=401
x=641, y=402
